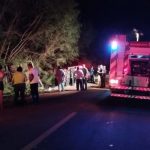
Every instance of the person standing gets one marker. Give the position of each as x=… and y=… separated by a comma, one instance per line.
x=85, y=72
x=2, y=74
x=71, y=77
x=92, y=74
x=99, y=71
x=60, y=77
x=79, y=75
x=103, y=77
x=33, y=76
x=18, y=80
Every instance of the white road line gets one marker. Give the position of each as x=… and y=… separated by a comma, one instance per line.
x=39, y=139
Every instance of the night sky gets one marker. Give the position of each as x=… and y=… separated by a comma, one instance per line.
x=116, y=16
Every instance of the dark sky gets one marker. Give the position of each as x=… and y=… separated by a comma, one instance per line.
x=115, y=16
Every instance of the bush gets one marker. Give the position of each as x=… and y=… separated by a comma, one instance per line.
x=8, y=89
x=48, y=79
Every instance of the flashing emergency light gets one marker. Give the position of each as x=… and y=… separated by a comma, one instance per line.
x=114, y=45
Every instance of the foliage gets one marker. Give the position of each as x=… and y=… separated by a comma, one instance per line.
x=86, y=41
x=62, y=33
x=48, y=79
x=8, y=90
x=44, y=30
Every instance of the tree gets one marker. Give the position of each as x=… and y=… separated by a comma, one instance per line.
x=62, y=32
x=44, y=30
x=87, y=41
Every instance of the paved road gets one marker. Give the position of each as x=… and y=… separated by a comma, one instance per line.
x=71, y=120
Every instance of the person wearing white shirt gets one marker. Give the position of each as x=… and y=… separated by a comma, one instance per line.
x=85, y=72
x=33, y=75
x=79, y=75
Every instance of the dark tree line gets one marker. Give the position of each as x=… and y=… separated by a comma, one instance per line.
x=47, y=31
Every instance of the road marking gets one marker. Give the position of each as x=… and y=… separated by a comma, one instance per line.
x=39, y=139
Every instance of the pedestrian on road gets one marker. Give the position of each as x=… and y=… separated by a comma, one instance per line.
x=2, y=74
x=60, y=77
x=79, y=75
x=85, y=72
x=99, y=72
x=103, y=76
x=33, y=76
x=18, y=80
x=71, y=74
x=92, y=74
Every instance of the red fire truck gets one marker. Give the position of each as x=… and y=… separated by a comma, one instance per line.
x=129, y=75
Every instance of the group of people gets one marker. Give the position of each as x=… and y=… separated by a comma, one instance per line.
x=79, y=75
x=19, y=79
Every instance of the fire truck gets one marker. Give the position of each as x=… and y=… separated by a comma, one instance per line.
x=129, y=75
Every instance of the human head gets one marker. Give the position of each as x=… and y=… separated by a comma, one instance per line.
x=58, y=67
x=30, y=66
x=19, y=69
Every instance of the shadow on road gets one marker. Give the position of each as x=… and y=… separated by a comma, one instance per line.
x=124, y=103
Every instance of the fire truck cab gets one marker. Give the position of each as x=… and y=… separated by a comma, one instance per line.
x=129, y=75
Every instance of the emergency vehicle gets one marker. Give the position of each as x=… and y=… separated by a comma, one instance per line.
x=129, y=75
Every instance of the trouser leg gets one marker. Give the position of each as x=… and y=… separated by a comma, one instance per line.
x=22, y=92
x=77, y=84
x=85, y=84
x=62, y=86
x=81, y=84
x=34, y=92
x=16, y=93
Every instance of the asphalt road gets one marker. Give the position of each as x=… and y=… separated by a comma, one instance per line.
x=70, y=120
